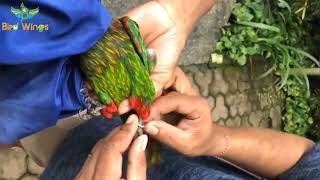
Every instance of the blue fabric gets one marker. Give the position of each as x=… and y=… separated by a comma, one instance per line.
x=307, y=168
x=73, y=152
x=39, y=84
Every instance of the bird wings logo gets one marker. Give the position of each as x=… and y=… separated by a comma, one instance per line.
x=24, y=13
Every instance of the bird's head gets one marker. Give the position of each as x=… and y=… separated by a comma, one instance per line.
x=23, y=8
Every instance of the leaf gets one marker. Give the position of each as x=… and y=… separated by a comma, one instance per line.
x=267, y=73
x=219, y=46
x=303, y=53
x=284, y=4
x=242, y=13
x=242, y=60
x=259, y=25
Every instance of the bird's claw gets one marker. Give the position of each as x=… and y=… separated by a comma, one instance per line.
x=140, y=127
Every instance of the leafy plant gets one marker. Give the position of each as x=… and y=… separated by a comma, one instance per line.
x=274, y=30
x=314, y=102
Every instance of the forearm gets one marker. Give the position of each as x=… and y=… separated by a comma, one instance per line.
x=264, y=151
x=186, y=12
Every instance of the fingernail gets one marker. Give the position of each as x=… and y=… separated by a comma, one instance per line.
x=151, y=129
x=124, y=107
x=143, y=142
x=131, y=119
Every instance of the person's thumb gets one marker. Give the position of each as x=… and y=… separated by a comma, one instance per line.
x=137, y=165
x=167, y=134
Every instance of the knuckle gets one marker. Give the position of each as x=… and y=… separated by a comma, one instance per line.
x=137, y=162
x=141, y=163
x=125, y=129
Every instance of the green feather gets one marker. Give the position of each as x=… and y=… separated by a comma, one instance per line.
x=117, y=65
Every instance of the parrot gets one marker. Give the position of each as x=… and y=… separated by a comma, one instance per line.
x=118, y=67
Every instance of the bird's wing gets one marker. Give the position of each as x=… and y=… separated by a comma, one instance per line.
x=33, y=12
x=16, y=12
x=133, y=31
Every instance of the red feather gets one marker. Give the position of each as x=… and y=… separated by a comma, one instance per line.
x=139, y=106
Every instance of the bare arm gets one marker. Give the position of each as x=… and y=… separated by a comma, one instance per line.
x=264, y=151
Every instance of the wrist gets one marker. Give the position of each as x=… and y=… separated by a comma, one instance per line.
x=220, y=142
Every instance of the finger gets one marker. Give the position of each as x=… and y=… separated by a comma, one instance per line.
x=167, y=134
x=189, y=106
x=137, y=165
x=109, y=163
x=180, y=83
x=121, y=140
x=124, y=107
x=88, y=169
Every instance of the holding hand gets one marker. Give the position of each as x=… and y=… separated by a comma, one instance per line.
x=195, y=134
x=105, y=161
x=164, y=35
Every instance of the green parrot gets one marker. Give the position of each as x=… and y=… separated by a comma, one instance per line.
x=117, y=68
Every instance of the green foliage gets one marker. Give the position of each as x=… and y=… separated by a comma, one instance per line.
x=297, y=117
x=274, y=30
x=314, y=102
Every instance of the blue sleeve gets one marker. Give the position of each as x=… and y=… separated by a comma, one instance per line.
x=39, y=82
x=307, y=168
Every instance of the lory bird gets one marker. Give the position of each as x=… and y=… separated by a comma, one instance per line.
x=117, y=68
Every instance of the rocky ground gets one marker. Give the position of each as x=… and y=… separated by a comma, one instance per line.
x=15, y=164
x=235, y=97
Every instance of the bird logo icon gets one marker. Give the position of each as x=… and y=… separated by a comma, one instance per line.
x=24, y=13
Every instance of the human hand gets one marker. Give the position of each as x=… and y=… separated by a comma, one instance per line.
x=193, y=134
x=106, y=158
x=165, y=35
x=179, y=82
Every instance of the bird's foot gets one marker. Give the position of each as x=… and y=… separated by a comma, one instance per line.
x=109, y=110
x=140, y=127
x=93, y=105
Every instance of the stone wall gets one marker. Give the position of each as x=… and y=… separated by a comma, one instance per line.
x=236, y=99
